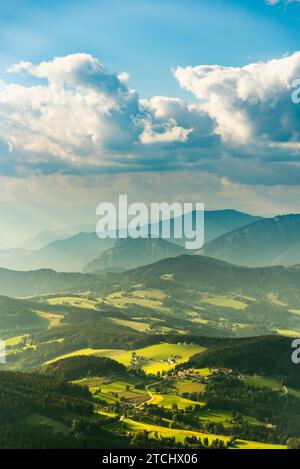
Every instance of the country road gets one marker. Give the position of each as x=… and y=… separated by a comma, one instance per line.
x=149, y=392
x=137, y=406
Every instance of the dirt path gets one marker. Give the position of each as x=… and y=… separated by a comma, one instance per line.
x=138, y=406
x=149, y=392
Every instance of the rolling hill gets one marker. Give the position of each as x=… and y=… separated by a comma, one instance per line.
x=251, y=355
x=197, y=272
x=202, y=273
x=16, y=315
x=45, y=281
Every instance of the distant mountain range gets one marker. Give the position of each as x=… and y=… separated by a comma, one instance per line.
x=271, y=241
x=66, y=255
x=46, y=237
x=129, y=253
x=71, y=254
x=219, y=222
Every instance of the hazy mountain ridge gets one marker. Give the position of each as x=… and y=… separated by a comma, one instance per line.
x=63, y=255
x=271, y=241
x=129, y=253
x=43, y=238
x=73, y=253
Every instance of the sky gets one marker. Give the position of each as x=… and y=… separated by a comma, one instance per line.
x=162, y=99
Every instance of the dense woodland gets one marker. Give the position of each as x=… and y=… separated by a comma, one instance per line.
x=265, y=355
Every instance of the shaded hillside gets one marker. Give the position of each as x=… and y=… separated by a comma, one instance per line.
x=16, y=315
x=273, y=241
x=198, y=272
x=203, y=272
x=129, y=253
x=262, y=355
x=218, y=222
x=22, y=394
x=78, y=367
x=65, y=255
x=45, y=281
x=43, y=412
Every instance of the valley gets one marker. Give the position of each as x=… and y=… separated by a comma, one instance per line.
x=176, y=353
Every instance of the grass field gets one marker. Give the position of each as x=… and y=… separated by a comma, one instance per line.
x=137, y=326
x=244, y=444
x=288, y=332
x=151, y=294
x=73, y=301
x=168, y=400
x=14, y=341
x=263, y=382
x=224, y=302
x=189, y=386
x=200, y=320
x=155, y=356
x=273, y=298
x=37, y=419
x=270, y=382
x=112, y=390
x=53, y=319
x=224, y=417
x=202, y=371
x=138, y=298
x=295, y=311
x=181, y=434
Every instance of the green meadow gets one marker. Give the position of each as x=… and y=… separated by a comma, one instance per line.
x=155, y=357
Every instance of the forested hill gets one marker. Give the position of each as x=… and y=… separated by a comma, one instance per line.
x=44, y=281
x=206, y=272
x=81, y=366
x=188, y=270
x=269, y=355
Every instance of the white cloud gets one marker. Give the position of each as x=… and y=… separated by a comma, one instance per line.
x=78, y=118
x=80, y=114
x=170, y=132
x=251, y=104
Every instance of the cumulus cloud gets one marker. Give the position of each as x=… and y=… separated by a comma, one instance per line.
x=77, y=114
x=78, y=118
x=250, y=105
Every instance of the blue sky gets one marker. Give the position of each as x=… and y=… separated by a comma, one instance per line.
x=191, y=120
x=148, y=37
